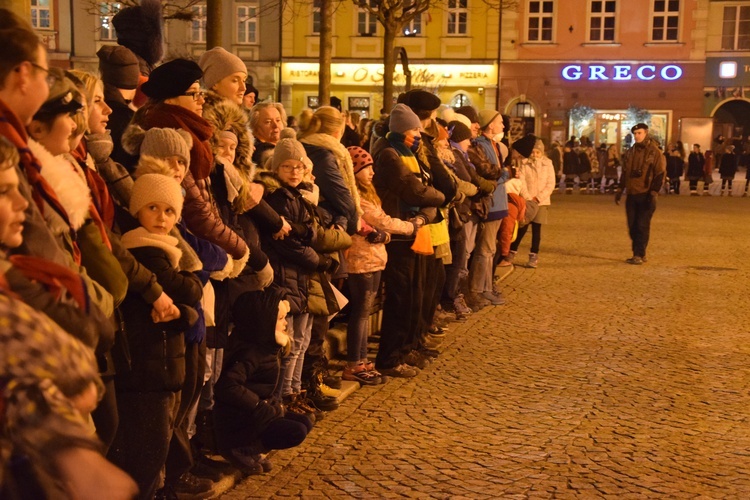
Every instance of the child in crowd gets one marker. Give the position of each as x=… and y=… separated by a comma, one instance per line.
x=250, y=420
x=151, y=369
x=293, y=258
x=517, y=194
x=366, y=260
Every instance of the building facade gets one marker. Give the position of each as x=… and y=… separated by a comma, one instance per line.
x=595, y=67
x=452, y=51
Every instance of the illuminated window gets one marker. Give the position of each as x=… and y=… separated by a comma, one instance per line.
x=602, y=20
x=458, y=14
x=735, y=33
x=106, y=12
x=367, y=23
x=41, y=14
x=414, y=28
x=198, y=24
x=247, y=24
x=665, y=23
x=460, y=100
x=540, y=20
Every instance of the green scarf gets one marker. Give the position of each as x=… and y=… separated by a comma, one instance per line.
x=399, y=143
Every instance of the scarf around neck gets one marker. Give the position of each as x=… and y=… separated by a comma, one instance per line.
x=343, y=159
x=170, y=116
x=399, y=143
x=140, y=237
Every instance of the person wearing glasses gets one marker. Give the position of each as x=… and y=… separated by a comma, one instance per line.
x=176, y=101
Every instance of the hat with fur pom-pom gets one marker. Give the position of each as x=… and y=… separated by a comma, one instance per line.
x=288, y=148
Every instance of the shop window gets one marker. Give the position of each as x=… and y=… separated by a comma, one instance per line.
x=316, y=17
x=602, y=20
x=522, y=120
x=735, y=33
x=247, y=24
x=41, y=14
x=459, y=100
x=540, y=20
x=367, y=23
x=198, y=24
x=360, y=105
x=458, y=14
x=106, y=12
x=665, y=22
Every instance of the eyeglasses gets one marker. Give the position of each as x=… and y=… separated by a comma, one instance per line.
x=293, y=168
x=196, y=95
x=51, y=78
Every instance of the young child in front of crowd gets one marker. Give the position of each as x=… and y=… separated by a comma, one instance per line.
x=151, y=366
x=293, y=258
x=366, y=260
x=250, y=420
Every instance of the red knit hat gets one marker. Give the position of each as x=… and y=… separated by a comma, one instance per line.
x=360, y=158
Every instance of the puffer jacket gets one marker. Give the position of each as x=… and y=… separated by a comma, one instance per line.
x=293, y=259
x=539, y=177
x=366, y=257
x=335, y=195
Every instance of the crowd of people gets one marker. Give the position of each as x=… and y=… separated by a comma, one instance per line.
x=173, y=255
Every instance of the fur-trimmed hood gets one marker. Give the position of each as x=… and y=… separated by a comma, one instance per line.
x=63, y=177
x=223, y=114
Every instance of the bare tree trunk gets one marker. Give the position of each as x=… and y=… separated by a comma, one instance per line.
x=389, y=66
x=213, y=24
x=326, y=47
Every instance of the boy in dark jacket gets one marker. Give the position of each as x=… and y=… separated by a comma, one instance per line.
x=249, y=419
x=151, y=361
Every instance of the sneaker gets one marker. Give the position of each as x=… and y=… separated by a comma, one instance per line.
x=533, y=260
x=400, y=371
x=331, y=381
x=505, y=263
x=243, y=461
x=476, y=301
x=291, y=403
x=370, y=367
x=436, y=331
x=495, y=298
x=304, y=402
x=190, y=487
x=361, y=374
x=414, y=358
x=264, y=462
x=329, y=391
x=635, y=260
x=459, y=305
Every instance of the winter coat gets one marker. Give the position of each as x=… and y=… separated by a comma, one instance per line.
x=571, y=162
x=402, y=192
x=643, y=168
x=293, y=259
x=728, y=166
x=675, y=166
x=263, y=150
x=366, y=257
x=539, y=178
x=244, y=404
x=119, y=120
x=335, y=195
x=151, y=356
x=696, y=162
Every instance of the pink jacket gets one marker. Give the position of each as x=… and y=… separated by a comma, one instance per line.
x=366, y=257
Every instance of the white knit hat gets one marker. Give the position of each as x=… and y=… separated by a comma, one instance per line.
x=150, y=188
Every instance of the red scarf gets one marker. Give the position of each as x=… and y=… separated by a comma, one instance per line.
x=12, y=129
x=170, y=116
x=102, y=208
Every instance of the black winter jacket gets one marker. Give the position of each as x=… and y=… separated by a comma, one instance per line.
x=335, y=195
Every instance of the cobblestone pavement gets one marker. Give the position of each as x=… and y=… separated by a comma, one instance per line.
x=599, y=379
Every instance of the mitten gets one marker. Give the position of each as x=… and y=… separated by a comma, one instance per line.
x=377, y=236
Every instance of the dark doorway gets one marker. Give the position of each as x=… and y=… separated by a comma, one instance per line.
x=735, y=114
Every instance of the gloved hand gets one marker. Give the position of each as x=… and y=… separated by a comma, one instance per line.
x=265, y=411
x=324, y=262
x=428, y=213
x=618, y=196
x=377, y=236
x=334, y=266
x=100, y=146
x=265, y=276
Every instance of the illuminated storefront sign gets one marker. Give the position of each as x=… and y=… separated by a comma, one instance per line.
x=470, y=75
x=621, y=72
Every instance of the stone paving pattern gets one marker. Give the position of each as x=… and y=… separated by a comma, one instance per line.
x=597, y=380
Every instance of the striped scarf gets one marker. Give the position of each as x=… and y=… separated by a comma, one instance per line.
x=402, y=144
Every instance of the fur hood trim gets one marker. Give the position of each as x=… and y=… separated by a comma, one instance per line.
x=223, y=114
x=63, y=177
x=132, y=139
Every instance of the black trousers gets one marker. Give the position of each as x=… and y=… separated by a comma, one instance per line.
x=639, y=209
x=405, y=276
x=536, y=237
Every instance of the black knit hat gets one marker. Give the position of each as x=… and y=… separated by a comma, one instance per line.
x=419, y=100
x=118, y=66
x=139, y=28
x=469, y=112
x=172, y=79
x=459, y=131
x=525, y=145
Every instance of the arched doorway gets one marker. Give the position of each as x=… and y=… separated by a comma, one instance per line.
x=732, y=118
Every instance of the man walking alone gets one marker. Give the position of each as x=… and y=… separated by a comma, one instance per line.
x=644, y=170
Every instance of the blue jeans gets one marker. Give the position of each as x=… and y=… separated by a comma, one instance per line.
x=299, y=328
x=363, y=289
